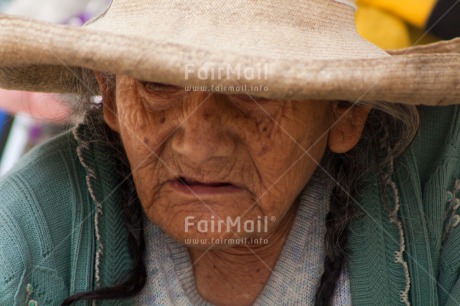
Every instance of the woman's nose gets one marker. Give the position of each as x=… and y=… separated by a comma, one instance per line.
x=205, y=132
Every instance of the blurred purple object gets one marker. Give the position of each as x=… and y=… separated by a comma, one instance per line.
x=35, y=133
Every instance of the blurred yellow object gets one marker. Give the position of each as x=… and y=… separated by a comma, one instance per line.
x=381, y=28
x=416, y=12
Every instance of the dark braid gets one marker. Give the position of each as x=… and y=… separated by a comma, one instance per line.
x=337, y=220
x=381, y=133
x=347, y=173
x=133, y=220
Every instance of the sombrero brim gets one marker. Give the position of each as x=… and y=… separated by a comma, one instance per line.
x=38, y=56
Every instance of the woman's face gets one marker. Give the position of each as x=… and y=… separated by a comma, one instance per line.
x=213, y=166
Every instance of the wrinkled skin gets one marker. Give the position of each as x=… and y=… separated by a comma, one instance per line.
x=266, y=149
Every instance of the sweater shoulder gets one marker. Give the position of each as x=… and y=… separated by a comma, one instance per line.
x=46, y=178
x=438, y=139
x=39, y=204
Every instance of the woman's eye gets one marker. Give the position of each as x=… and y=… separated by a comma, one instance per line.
x=160, y=97
x=154, y=87
x=255, y=106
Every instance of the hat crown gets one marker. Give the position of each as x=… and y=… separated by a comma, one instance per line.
x=283, y=11
x=288, y=28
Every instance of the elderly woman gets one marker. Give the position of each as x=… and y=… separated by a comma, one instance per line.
x=233, y=161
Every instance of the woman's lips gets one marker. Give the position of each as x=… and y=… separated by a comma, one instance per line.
x=192, y=187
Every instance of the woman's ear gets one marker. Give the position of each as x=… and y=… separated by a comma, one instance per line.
x=347, y=125
x=109, y=105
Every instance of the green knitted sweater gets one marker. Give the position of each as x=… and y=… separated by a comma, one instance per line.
x=58, y=238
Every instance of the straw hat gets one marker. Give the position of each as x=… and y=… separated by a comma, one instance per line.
x=284, y=49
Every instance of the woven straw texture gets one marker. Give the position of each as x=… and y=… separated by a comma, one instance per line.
x=307, y=50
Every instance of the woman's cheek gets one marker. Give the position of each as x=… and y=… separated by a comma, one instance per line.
x=147, y=184
x=144, y=131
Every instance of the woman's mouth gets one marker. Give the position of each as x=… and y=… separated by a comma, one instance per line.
x=194, y=187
